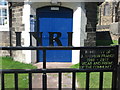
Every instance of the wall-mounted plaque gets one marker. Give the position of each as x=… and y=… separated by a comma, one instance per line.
x=101, y=58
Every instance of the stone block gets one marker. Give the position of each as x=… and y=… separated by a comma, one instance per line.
x=103, y=27
x=4, y=53
x=115, y=28
x=89, y=43
x=90, y=29
x=4, y=37
x=91, y=34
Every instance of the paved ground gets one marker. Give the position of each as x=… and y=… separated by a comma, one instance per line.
x=53, y=65
x=52, y=78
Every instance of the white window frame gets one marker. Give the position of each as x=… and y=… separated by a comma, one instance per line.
x=6, y=26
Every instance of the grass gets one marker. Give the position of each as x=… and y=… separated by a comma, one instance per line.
x=115, y=42
x=8, y=63
x=94, y=79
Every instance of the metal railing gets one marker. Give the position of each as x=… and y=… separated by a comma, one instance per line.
x=44, y=71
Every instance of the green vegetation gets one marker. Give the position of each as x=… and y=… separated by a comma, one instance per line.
x=94, y=79
x=106, y=42
x=8, y=63
x=115, y=42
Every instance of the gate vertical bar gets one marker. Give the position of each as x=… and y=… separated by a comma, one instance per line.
x=2, y=81
x=101, y=81
x=74, y=81
x=87, y=80
x=114, y=74
x=60, y=81
x=16, y=81
x=30, y=39
x=30, y=81
x=114, y=80
x=118, y=82
x=44, y=81
x=44, y=59
x=44, y=74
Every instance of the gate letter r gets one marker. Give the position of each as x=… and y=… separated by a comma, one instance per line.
x=53, y=39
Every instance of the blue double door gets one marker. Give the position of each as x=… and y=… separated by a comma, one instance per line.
x=55, y=19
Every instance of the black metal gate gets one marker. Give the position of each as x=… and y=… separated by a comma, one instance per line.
x=93, y=55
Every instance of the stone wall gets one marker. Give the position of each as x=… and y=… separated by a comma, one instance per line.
x=17, y=26
x=4, y=41
x=91, y=13
x=106, y=19
x=108, y=22
x=115, y=30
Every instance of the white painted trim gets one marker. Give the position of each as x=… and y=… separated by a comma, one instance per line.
x=4, y=28
x=83, y=34
x=76, y=34
x=25, y=34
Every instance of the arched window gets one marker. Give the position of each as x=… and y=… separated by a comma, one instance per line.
x=4, y=15
x=106, y=9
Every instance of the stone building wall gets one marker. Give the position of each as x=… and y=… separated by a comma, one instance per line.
x=110, y=17
x=4, y=41
x=115, y=26
x=17, y=26
x=108, y=22
x=115, y=30
x=104, y=21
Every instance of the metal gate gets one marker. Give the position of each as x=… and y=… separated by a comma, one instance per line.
x=86, y=53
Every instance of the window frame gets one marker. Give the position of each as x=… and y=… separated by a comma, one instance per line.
x=106, y=9
x=4, y=27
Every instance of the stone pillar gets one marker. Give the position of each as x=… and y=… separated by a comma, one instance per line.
x=4, y=41
x=17, y=26
x=91, y=13
x=115, y=30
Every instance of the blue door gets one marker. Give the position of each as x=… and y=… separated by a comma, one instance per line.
x=55, y=19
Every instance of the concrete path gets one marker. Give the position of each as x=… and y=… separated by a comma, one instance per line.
x=52, y=78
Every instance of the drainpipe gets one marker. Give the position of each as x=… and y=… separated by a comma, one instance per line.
x=100, y=15
x=10, y=25
x=119, y=40
x=112, y=12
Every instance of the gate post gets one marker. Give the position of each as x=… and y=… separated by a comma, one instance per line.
x=118, y=74
x=115, y=72
x=118, y=80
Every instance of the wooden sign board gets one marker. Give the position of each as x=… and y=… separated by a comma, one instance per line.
x=97, y=58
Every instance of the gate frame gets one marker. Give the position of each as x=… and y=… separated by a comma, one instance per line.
x=60, y=71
